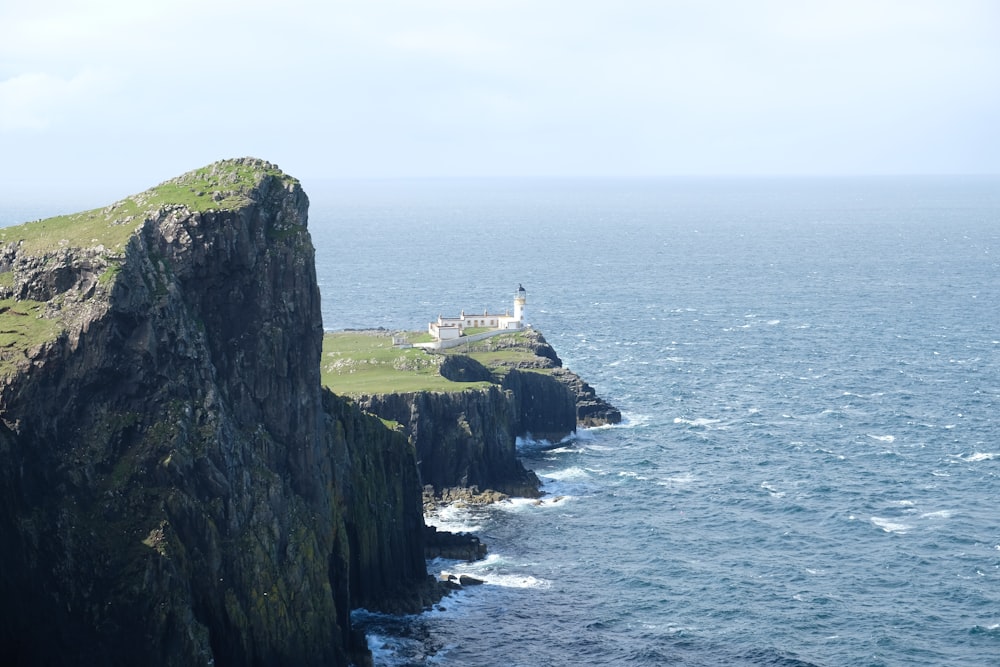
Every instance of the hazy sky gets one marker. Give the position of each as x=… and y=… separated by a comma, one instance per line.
x=127, y=93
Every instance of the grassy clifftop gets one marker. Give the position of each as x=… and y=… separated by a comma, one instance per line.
x=224, y=185
x=367, y=362
x=51, y=268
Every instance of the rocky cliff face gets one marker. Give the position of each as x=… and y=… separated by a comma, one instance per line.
x=462, y=439
x=467, y=439
x=176, y=487
x=591, y=410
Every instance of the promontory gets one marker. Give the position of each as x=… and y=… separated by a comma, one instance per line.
x=178, y=485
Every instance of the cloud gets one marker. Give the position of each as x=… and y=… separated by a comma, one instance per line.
x=448, y=87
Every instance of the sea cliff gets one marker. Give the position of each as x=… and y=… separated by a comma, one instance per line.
x=177, y=486
x=502, y=388
x=178, y=489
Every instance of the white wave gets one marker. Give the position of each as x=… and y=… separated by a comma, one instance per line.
x=890, y=526
x=516, y=581
x=975, y=457
x=903, y=503
x=631, y=420
x=454, y=519
x=527, y=442
x=771, y=490
x=684, y=478
x=632, y=475
x=492, y=570
x=386, y=650
x=940, y=514
x=882, y=438
x=701, y=421
x=574, y=472
x=774, y=322
x=521, y=504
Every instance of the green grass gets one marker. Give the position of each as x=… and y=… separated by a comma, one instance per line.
x=495, y=353
x=110, y=227
x=22, y=326
x=220, y=186
x=356, y=363
x=508, y=357
x=224, y=185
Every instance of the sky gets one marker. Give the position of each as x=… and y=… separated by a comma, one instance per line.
x=118, y=95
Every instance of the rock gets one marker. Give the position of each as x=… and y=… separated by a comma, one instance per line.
x=453, y=546
x=457, y=582
x=460, y=368
x=591, y=409
x=462, y=439
x=177, y=487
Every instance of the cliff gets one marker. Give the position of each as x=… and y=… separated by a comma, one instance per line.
x=462, y=439
x=590, y=409
x=178, y=489
x=465, y=439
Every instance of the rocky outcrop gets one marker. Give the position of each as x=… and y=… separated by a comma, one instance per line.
x=176, y=487
x=462, y=439
x=591, y=409
x=465, y=440
x=453, y=546
x=545, y=408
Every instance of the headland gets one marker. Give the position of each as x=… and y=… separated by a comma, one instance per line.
x=179, y=486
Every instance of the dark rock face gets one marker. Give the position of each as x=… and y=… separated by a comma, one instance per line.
x=591, y=409
x=460, y=368
x=176, y=487
x=466, y=440
x=455, y=546
x=462, y=439
x=546, y=409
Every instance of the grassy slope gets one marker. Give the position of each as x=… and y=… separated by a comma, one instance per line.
x=367, y=363
x=220, y=186
x=25, y=324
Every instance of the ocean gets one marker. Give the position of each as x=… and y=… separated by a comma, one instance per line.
x=809, y=371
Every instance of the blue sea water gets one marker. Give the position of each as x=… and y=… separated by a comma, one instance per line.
x=810, y=374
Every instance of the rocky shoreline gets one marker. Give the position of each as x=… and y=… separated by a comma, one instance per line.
x=178, y=486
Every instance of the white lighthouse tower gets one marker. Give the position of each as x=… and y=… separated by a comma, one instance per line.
x=520, y=297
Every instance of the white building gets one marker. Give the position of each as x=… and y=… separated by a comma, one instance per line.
x=450, y=328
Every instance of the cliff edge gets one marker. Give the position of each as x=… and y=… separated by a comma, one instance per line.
x=464, y=409
x=178, y=489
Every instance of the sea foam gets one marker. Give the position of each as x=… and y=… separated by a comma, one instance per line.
x=975, y=457
x=890, y=526
x=700, y=421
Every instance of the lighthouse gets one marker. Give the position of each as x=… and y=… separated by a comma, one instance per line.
x=520, y=298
